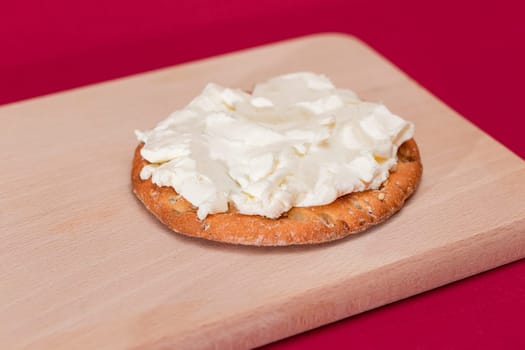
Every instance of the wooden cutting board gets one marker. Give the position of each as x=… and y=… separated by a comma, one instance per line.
x=83, y=265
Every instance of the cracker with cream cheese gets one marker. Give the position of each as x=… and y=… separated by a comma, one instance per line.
x=296, y=161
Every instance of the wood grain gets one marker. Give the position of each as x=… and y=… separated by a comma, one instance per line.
x=84, y=265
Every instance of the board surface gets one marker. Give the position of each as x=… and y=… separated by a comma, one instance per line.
x=84, y=265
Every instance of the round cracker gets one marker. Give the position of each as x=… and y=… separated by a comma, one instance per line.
x=348, y=214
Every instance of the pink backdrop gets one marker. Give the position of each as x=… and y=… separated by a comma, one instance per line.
x=470, y=55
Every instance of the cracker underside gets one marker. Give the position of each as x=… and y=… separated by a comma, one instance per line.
x=348, y=214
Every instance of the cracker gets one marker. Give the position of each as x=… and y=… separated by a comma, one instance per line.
x=347, y=215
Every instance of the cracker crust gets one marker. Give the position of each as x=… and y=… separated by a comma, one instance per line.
x=347, y=215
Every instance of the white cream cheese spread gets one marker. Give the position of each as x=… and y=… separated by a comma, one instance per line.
x=295, y=141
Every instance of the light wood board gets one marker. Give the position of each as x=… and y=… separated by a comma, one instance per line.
x=84, y=265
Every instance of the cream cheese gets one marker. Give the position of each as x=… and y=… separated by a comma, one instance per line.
x=296, y=140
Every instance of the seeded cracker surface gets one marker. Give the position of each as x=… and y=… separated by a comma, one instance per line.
x=348, y=214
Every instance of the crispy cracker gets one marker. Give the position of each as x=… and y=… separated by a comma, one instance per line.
x=348, y=214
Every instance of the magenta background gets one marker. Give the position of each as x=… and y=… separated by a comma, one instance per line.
x=471, y=54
